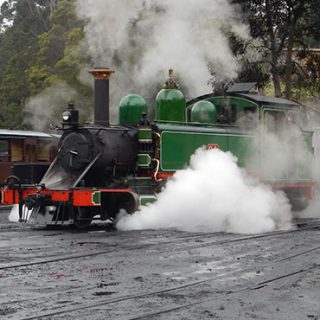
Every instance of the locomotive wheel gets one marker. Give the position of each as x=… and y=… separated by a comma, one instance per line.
x=82, y=217
x=299, y=204
x=127, y=202
x=297, y=199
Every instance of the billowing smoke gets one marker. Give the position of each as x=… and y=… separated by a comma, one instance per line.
x=213, y=194
x=313, y=210
x=142, y=39
x=282, y=153
x=47, y=106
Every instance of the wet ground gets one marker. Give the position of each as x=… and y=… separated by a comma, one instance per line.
x=105, y=274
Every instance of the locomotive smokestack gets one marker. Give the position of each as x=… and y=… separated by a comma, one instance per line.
x=101, y=95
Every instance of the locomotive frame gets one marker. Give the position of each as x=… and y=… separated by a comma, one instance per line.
x=102, y=168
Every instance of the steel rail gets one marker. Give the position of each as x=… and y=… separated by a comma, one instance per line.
x=144, y=246
x=172, y=309
x=255, y=286
x=258, y=286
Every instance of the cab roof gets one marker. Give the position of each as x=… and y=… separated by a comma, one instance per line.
x=267, y=100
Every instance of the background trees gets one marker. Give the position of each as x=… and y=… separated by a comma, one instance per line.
x=18, y=47
x=41, y=48
x=281, y=27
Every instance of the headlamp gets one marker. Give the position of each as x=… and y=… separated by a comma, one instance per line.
x=66, y=116
x=70, y=116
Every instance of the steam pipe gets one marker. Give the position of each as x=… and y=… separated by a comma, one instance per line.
x=101, y=95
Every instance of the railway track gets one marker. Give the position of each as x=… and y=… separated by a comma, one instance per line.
x=189, y=305
x=227, y=291
x=256, y=286
x=163, y=243
x=195, y=286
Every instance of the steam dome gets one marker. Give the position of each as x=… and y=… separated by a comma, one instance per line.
x=170, y=105
x=130, y=109
x=204, y=112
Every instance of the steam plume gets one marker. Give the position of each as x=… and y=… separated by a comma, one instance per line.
x=142, y=39
x=47, y=106
x=281, y=153
x=213, y=194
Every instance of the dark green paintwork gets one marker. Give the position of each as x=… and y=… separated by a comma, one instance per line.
x=130, y=109
x=204, y=112
x=146, y=199
x=96, y=198
x=144, y=135
x=180, y=141
x=241, y=103
x=170, y=106
x=144, y=160
x=178, y=145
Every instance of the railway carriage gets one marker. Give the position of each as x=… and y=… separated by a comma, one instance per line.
x=102, y=168
x=26, y=155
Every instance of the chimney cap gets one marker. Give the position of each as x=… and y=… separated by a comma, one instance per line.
x=101, y=73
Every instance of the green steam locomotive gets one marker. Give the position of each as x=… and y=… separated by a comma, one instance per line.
x=102, y=168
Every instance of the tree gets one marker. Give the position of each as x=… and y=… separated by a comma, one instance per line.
x=59, y=60
x=18, y=45
x=60, y=57
x=40, y=46
x=280, y=25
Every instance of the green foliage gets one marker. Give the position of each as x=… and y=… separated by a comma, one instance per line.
x=18, y=47
x=38, y=78
x=40, y=49
x=280, y=26
x=11, y=116
x=253, y=70
x=307, y=79
x=59, y=48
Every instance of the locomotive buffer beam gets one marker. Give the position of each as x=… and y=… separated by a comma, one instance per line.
x=37, y=200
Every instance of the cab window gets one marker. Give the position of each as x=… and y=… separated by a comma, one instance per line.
x=248, y=118
x=227, y=113
x=275, y=120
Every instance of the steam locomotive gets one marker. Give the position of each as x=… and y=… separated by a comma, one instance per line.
x=102, y=168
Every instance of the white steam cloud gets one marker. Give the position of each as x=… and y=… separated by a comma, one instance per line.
x=213, y=194
x=47, y=106
x=41, y=108
x=282, y=154
x=142, y=39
